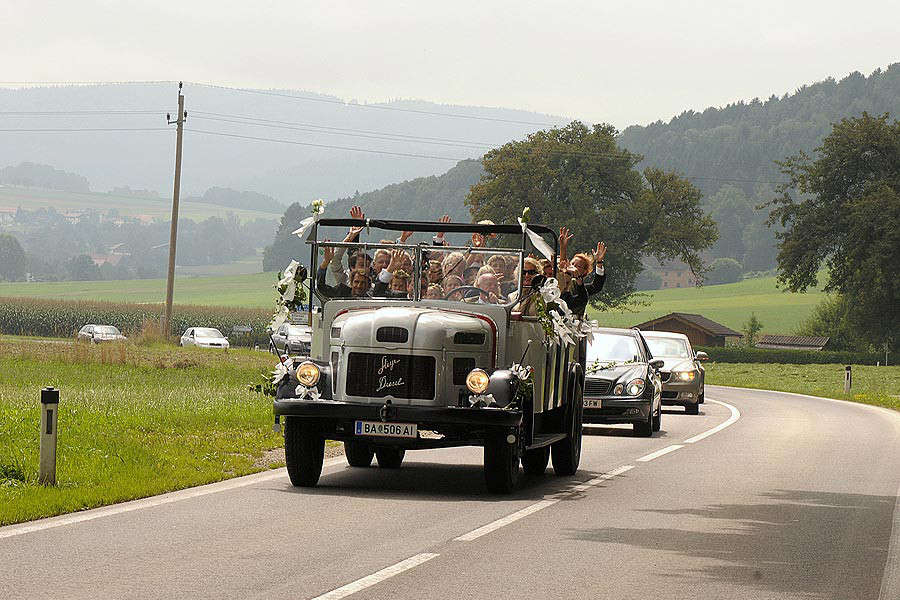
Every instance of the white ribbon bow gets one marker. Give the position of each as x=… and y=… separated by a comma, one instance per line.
x=536, y=240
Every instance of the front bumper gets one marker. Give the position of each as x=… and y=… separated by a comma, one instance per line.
x=680, y=393
x=458, y=424
x=615, y=409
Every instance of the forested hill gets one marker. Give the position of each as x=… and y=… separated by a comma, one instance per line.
x=737, y=144
x=424, y=198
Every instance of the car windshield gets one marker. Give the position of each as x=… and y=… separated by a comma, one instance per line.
x=106, y=330
x=447, y=273
x=673, y=347
x=296, y=331
x=207, y=332
x=613, y=348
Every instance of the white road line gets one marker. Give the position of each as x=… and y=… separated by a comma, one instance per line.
x=117, y=509
x=377, y=577
x=528, y=510
x=658, y=453
x=735, y=415
x=519, y=514
x=606, y=476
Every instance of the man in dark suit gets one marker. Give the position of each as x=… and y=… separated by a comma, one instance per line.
x=579, y=293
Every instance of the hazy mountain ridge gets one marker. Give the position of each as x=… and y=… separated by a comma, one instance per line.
x=285, y=171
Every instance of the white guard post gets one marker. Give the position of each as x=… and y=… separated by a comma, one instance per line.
x=49, y=418
x=848, y=379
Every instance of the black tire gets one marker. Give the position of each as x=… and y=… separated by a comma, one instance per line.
x=657, y=422
x=645, y=428
x=304, y=451
x=359, y=454
x=390, y=458
x=692, y=409
x=567, y=452
x=501, y=464
x=534, y=461
x=702, y=397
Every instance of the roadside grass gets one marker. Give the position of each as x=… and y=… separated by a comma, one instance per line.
x=729, y=304
x=871, y=385
x=134, y=421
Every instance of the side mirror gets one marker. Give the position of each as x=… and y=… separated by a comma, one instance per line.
x=657, y=363
x=702, y=356
x=537, y=281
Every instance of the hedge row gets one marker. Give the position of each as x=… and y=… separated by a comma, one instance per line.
x=744, y=354
x=62, y=318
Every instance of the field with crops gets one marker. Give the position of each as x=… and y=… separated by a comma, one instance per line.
x=63, y=319
x=730, y=304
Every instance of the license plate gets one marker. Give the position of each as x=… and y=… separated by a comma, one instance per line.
x=379, y=429
x=593, y=403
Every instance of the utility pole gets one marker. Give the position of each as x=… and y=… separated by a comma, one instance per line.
x=173, y=233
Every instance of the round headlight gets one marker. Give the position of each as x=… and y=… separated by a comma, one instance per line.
x=477, y=381
x=308, y=374
x=686, y=375
x=635, y=387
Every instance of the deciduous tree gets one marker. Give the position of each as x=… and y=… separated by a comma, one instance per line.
x=842, y=211
x=576, y=176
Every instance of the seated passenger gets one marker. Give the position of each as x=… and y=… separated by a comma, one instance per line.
x=434, y=292
x=527, y=306
x=470, y=274
x=453, y=264
x=489, y=283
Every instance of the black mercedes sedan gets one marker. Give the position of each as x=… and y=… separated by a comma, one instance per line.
x=622, y=383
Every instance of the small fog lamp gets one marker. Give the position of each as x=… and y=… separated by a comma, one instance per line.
x=308, y=374
x=477, y=381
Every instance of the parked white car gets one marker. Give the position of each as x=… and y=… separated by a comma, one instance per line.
x=100, y=333
x=204, y=337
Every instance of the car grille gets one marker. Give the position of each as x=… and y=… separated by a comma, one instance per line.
x=664, y=377
x=597, y=387
x=669, y=394
x=400, y=376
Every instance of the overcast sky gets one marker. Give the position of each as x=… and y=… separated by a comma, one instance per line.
x=619, y=62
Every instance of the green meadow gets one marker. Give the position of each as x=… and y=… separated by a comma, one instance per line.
x=729, y=304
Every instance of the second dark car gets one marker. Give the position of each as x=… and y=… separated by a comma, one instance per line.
x=622, y=383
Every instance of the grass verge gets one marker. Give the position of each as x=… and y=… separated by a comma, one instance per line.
x=879, y=386
x=134, y=421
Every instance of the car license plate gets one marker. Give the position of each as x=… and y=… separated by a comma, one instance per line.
x=376, y=428
x=593, y=403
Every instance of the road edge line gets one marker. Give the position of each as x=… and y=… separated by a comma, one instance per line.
x=735, y=415
x=658, y=453
x=110, y=510
x=880, y=409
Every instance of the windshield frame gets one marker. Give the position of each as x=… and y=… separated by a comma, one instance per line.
x=207, y=329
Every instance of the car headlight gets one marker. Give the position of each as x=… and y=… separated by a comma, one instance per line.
x=308, y=374
x=477, y=381
x=619, y=389
x=685, y=375
x=635, y=387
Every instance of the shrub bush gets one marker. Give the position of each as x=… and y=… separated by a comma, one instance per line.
x=744, y=354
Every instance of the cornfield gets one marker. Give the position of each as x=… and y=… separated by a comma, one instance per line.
x=55, y=318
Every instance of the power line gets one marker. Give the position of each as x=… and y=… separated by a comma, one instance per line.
x=371, y=106
x=345, y=133
x=48, y=113
x=78, y=129
x=350, y=129
x=328, y=146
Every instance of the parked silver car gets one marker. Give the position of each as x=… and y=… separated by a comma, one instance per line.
x=99, y=333
x=204, y=337
x=682, y=374
x=293, y=340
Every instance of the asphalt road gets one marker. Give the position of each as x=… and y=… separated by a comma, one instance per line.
x=794, y=497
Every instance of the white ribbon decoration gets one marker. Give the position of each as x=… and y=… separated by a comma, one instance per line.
x=536, y=240
x=566, y=327
x=281, y=369
x=303, y=393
